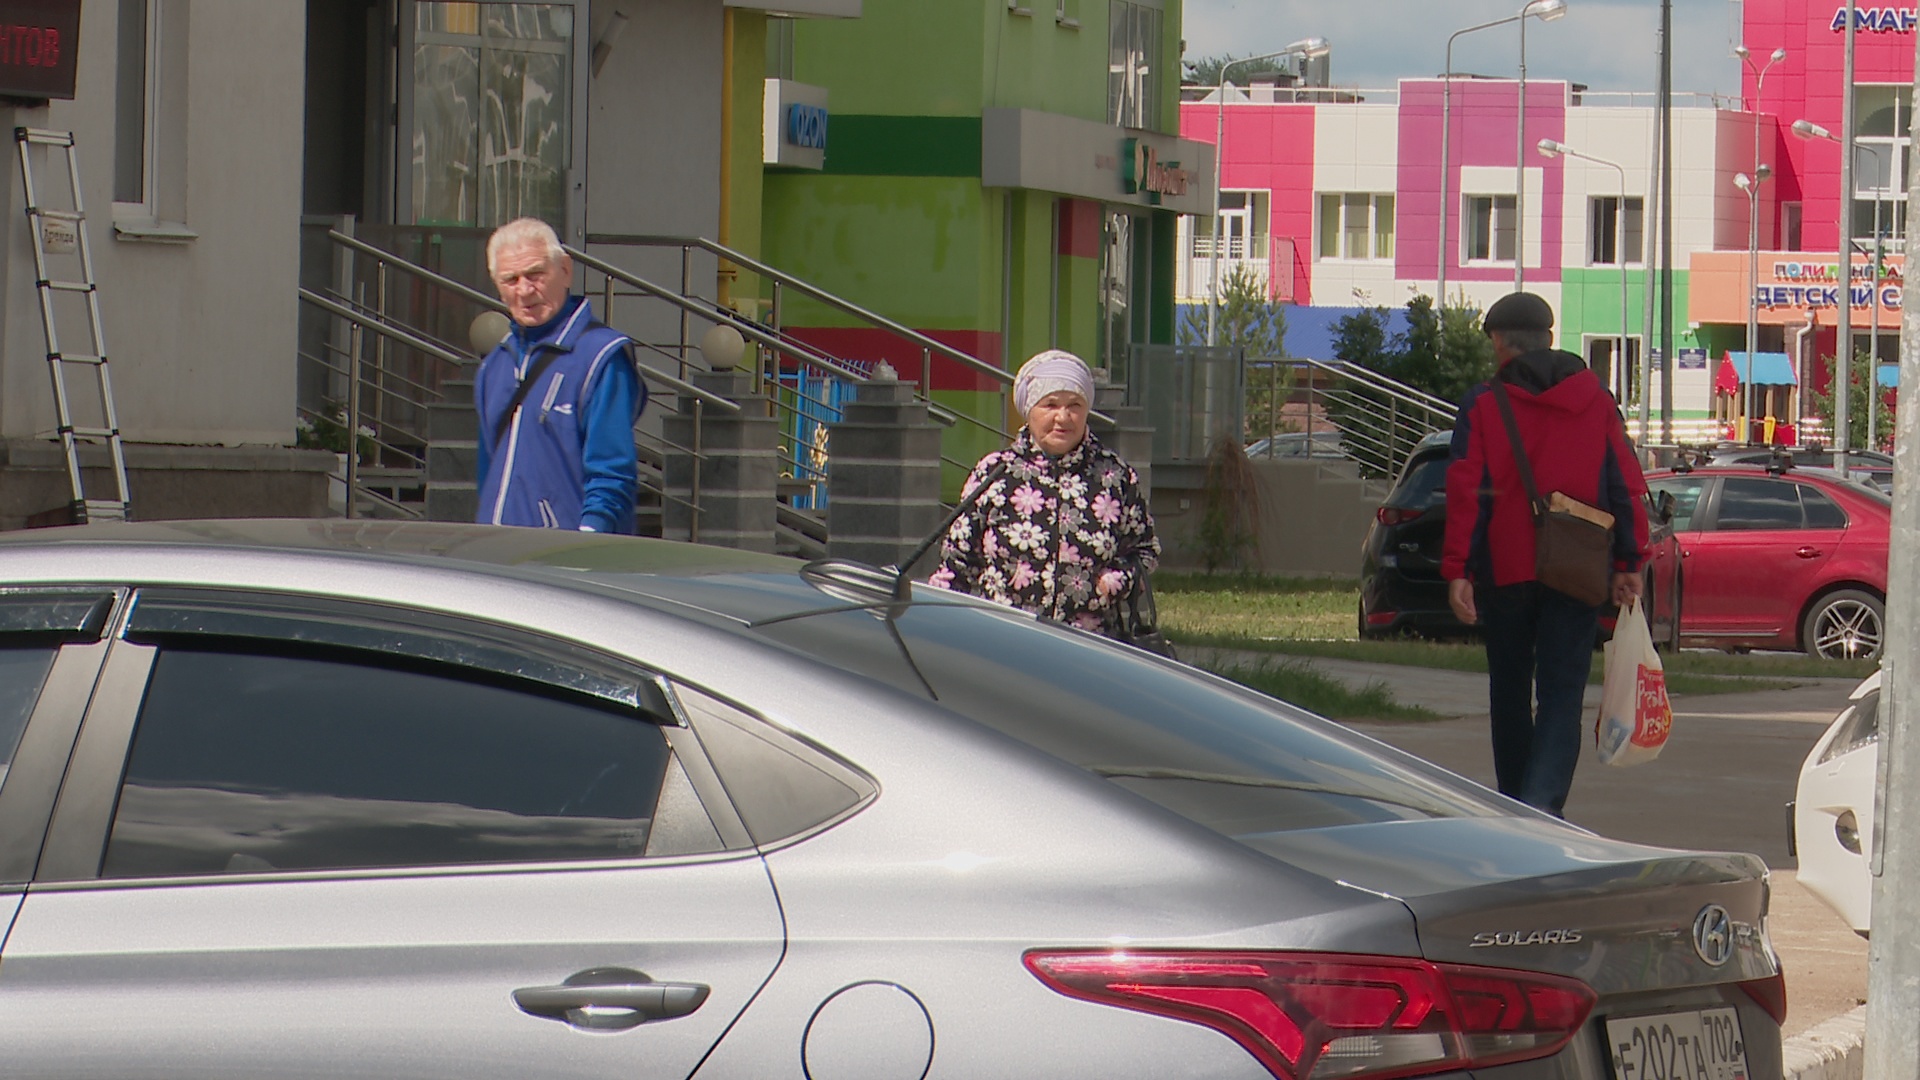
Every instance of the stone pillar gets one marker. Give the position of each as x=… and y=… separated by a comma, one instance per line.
x=1129, y=435
x=733, y=479
x=883, y=490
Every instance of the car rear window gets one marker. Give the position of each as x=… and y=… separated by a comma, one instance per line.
x=1423, y=486
x=1218, y=754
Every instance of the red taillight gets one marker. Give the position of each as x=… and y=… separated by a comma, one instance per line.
x=1394, y=515
x=1329, y=1015
x=1381, y=618
x=1769, y=994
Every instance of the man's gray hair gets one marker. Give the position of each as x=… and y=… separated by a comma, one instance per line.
x=524, y=232
x=1526, y=341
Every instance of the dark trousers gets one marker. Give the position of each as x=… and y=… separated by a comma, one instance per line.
x=1539, y=650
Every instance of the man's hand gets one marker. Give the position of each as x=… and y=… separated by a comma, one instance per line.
x=1626, y=586
x=1460, y=598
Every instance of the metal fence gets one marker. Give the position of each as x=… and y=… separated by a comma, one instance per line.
x=1193, y=395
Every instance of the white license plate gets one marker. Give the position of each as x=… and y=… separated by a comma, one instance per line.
x=1704, y=1044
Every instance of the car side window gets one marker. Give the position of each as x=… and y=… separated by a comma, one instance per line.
x=1686, y=497
x=1822, y=512
x=248, y=760
x=1750, y=503
x=23, y=671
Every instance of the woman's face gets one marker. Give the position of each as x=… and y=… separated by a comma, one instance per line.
x=1058, y=422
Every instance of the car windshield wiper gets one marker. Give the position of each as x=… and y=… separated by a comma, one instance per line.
x=1142, y=772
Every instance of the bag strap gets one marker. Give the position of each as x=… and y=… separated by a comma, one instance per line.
x=1141, y=595
x=534, y=372
x=1519, y=451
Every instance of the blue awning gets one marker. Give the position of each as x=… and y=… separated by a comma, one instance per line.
x=1889, y=375
x=1769, y=368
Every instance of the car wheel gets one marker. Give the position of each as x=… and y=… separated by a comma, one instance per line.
x=1673, y=642
x=1845, y=625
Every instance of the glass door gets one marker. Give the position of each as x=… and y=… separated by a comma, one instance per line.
x=493, y=114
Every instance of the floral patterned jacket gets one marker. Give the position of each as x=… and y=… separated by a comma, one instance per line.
x=1065, y=538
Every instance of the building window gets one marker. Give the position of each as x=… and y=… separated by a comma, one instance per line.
x=1490, y=228
x=133, y=91
x=1356, y=226
x=1243, y=227
x=1604, y=243
x=1790, y=221
x=1883, y=115
x=1067, y=13
x=1133, y=65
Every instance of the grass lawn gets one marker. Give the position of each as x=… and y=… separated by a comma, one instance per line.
x=1292, y=681
x=1316, y=618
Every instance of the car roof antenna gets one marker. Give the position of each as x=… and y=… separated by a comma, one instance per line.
x=902, y=582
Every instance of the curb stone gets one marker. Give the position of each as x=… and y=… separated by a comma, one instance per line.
x=1832, y=1050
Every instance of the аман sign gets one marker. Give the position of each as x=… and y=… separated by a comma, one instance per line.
x=1879, y=20
x=39, y=48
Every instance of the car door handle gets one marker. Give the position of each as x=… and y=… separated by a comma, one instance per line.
x=1808, y=553
x=611, y=999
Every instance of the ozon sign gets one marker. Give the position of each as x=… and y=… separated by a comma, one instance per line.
x=1880, y=20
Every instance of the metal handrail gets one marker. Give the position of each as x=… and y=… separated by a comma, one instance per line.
x=398, y=262
x=383, y=328
x=807, y=289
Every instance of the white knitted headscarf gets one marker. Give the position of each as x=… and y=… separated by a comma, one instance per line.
x=1050, y=372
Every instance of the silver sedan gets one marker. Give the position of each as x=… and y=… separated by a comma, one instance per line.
x=290, y=799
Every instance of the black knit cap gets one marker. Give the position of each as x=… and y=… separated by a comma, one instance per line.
x=1518, y=311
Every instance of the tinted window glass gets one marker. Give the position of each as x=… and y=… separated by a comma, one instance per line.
x=1686, y=497
x=22, y=673
x=1230, y=759
x=245, y=762
x=1822, y=512
x=1751, y=503
x=1424, y=486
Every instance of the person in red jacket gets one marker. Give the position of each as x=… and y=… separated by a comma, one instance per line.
x=1539, y=641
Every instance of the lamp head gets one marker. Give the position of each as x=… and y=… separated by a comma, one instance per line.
x=1763, y=172
x=1807, y=129
x=1311, y=48
x=1741, y=181
x=1550, y=148
x=1779, y=54
x=722, y=346
x=1741, y=51
x=1546, y=10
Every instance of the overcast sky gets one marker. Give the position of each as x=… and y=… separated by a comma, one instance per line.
x=1607, y=44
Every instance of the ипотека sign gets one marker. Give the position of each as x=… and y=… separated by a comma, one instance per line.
x=39, y=48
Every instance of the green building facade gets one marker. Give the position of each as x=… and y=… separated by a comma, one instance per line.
x=1002, y=179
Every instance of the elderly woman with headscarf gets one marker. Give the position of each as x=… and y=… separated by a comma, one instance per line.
x=1063, y=530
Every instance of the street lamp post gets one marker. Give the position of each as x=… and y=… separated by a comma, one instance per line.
x=1551, y=148
x=1807, y=129
x=1307, y=49
x=1559, y=8
x=1751, y=185
x=1545, y=11
x=1753, y=226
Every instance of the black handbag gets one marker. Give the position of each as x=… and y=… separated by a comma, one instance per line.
x=1139, y=623
x=1572, y=549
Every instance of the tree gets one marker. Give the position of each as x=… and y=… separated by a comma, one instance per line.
x=1865, y=393
x=1441, y=352
x=1206, y=70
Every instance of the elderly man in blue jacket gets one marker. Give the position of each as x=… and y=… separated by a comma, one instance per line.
x=557, y=398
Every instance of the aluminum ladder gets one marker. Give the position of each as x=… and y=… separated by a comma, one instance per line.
x=63, y=233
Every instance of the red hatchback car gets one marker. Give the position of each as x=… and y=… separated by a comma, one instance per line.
x=1779, y=559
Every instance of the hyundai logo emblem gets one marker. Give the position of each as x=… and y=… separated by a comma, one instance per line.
x=1713, y=935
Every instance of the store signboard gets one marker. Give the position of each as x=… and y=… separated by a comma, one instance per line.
x=1791, y=285
x=1042, y=151
x=794, y=125
x=1878, y=20
x=39, y=48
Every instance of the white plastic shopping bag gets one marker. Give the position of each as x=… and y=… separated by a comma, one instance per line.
x=1635, y=715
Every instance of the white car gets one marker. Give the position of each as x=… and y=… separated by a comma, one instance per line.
x=1833, y=808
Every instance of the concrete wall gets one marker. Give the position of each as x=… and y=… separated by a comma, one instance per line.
x=201, y=332
x=1312, y=520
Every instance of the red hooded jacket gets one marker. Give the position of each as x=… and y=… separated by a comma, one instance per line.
x=1577, y=444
